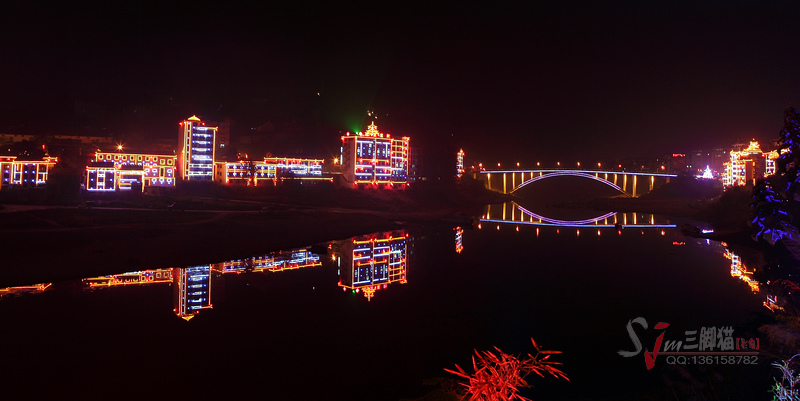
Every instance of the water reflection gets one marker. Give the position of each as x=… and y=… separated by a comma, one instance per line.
x=370, y=263
x=366, y=264
x=459, y=239
x=512, y=213
x=26, y=289
x=739, y=270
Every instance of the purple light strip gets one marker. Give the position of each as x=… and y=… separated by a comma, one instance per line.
x=572, y=174
x=570, y=222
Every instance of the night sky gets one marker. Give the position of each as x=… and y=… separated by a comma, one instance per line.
x=579, y=80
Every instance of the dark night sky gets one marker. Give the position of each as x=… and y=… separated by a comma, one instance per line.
x=577, y=80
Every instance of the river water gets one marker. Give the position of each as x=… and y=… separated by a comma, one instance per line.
x=377, y=317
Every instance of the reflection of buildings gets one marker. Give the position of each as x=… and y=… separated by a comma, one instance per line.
x=132, y=278
x=25, y=173
x=283, y=260
x=112, y=171
x=459, y=239
x=192, y=290
x=739, y=270
x=26, y=289
x=192, y=285
x=372, y=262
x=271, y=169
x=375, y=158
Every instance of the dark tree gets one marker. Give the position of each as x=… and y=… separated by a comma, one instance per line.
x=775, y=198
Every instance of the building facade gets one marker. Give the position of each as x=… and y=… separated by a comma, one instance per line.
x=270, y=170
x=25, y=173
x=117, y=171
x=197, y=149
x=375, y=158
x=747, y=165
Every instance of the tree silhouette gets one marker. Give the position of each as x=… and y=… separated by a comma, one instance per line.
x=775, y=197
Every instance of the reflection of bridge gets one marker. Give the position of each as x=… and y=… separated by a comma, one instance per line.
x=515, y=179
x=512, y=213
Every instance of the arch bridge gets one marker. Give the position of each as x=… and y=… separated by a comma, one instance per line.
x=629, y=183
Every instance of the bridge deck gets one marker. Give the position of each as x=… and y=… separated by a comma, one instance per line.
x=579, y=171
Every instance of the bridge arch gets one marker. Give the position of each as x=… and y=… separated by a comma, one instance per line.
x=570, y=173
x=559, y=222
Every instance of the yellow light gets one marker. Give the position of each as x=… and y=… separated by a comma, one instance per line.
x=579, y=164
x=517, y=164
x=538, y=164
x=498, y=164
x=119, y=147
x=598, y=165
x=558, y=163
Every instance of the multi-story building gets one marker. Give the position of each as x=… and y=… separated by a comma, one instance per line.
x=273, y=169
x=222, y=139
x=113, y=171
x=25, y=173
x=747, y=165
x=375, y=158
x=196, y=157
x=460, y=163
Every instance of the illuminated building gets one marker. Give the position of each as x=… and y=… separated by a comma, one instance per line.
x=375, y=158
x=273, y=169
x=196, y=158
x=132, y=278
x=25, y=173
x=192, y=290
x=372, y=262
x=460, y=163
x=747, y=165
x=112, y=171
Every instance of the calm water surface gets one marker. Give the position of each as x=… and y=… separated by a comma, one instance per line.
x=371, y=318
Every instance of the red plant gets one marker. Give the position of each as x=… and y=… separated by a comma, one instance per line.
x=500, y=376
